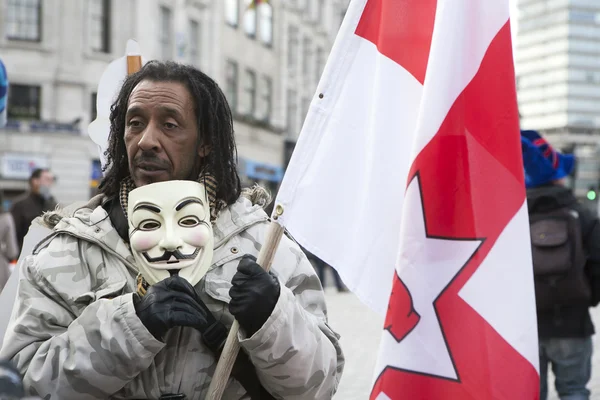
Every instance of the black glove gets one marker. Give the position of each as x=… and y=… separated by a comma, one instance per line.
x=174, y=302
x=254, y=294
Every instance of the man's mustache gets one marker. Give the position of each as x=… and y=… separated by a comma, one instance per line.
x=151, y=158
x=168, y=254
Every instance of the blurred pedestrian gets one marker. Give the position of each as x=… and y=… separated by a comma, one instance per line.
x=38, y=200
x=565, y=238
x=321, y=267
x=8, y=244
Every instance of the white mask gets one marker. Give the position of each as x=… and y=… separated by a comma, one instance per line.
x=170, y=229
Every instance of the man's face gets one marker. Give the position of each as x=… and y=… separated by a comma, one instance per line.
x=45, y=180
x=161, y=133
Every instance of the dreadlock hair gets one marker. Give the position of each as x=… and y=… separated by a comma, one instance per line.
x=215, y=128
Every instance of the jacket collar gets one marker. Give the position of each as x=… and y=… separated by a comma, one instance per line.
x=92, y=223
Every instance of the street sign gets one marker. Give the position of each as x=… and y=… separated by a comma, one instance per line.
x=21, y=165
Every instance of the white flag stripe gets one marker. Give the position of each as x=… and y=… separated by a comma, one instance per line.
x=340, y=60
x=501, y=288
x=353, y=174
x=454, y=63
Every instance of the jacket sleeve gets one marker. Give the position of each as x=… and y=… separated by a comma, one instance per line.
x=17, y=214
x=590, y=227
x=296, y=354
x=67, y=343
x=12, y=249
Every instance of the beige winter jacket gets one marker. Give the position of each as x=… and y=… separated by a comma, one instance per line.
x=74, y=333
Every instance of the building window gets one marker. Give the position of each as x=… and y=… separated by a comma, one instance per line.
x=232, y=12
x=306, y=58
x=305, y=106
x=265, y=23
x=266, y=101
x=292, y=112
x=250, y=92
x=320, y=11
x=250, y=18
x=309, y=9
x=231, y=84
x=293, y=48
x=319, y=63
x=24, y=102
x=194, y=42
x=166, y=33
x=100, y=25
x=342, y=15
x=93, y=109
x=24, y=20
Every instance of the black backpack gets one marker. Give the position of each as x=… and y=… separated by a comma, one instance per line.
x=559, y=259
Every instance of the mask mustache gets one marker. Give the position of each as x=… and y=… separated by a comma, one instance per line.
x=168, y=254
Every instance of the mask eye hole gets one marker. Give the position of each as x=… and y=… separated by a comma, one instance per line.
x=149, y=225
x=189, y=221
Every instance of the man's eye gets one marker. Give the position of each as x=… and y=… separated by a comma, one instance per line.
x=189, y=222
x=149, y=225
x=134, y=123
x=169, y=125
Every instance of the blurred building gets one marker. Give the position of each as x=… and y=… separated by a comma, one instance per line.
x=267, y=59
x=558, y=78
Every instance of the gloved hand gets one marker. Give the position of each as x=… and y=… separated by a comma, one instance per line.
x=254, y=295
x=174, y=302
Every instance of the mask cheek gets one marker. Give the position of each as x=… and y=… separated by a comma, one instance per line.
x=141, y=241
x=198, y=236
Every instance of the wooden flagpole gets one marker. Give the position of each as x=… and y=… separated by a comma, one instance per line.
x=232, y=345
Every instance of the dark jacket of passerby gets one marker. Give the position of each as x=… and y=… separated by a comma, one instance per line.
x=26, y=210
x=8, y=246
x=569, y=321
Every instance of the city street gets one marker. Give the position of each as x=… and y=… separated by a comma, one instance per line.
x=361, y=329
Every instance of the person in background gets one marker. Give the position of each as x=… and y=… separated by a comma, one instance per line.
x=321, y=267
x=565, y=243
x=8, y=244
x=35, y=203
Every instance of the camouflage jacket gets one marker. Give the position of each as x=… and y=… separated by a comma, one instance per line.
x=74, y=333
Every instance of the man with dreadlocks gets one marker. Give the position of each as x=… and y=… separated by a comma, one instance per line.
x=87, y=326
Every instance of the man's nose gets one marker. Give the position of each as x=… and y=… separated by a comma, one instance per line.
x=149, y=140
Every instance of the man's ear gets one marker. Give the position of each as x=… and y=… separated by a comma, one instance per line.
x=203, y=150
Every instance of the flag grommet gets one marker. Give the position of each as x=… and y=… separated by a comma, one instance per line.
x=278, y=211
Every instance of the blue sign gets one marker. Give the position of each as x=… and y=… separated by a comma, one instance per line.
x=259, y=171
x=42, y=126
x=96, y=173
x=3, y=93
x=96, y=170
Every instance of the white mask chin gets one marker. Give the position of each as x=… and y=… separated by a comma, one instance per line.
x=170, y=230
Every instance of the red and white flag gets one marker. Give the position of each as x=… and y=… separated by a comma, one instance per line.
x=408, y=179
